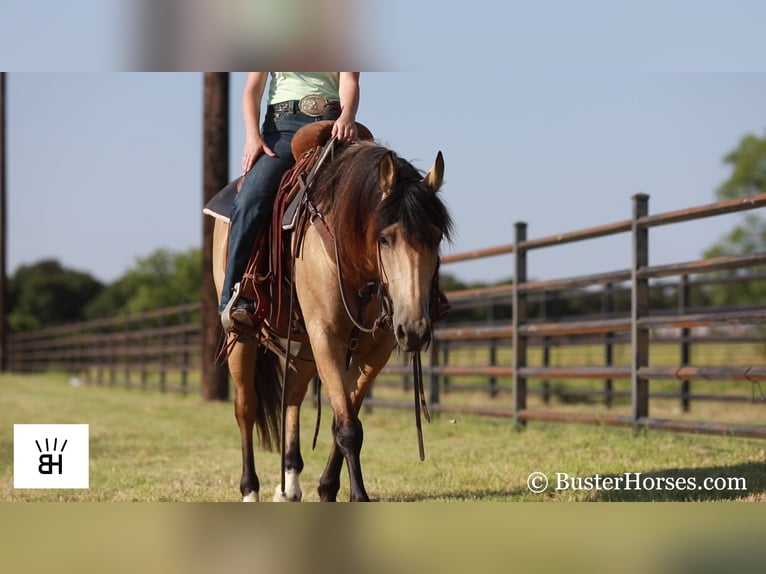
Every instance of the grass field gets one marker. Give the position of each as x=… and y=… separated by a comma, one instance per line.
x=148, y=446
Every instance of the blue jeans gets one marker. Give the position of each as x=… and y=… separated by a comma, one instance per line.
x=254, y=203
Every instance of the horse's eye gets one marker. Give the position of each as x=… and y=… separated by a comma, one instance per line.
x=384, y=241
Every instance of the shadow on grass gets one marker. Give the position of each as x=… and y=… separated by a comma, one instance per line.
x=480, y=495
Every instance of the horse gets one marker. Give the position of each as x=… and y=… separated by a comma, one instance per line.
x=376, y=227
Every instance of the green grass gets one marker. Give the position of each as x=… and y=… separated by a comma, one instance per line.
x=148, y=446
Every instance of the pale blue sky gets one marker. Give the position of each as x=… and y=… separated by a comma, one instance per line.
x=107, y=167
x=548, y=113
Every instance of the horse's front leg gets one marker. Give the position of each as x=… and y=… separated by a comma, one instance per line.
x=349, y=436
x=297, y=384
x=339, y=383
x=367, y=366
x=329, y=482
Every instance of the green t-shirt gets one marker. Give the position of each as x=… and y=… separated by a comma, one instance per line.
x=285, y=86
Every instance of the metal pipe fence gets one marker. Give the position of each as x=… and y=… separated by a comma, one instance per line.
x=162, y=349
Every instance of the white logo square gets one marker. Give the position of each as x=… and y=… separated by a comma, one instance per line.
x=51, y=456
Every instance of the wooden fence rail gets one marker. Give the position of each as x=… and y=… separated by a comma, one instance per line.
x=166, y=343
x=638, y=323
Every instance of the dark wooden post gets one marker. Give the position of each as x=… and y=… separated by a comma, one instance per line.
x=446, y=381
x=144, y=341
x=3, y=245
x=684, y=292
x=163, y=339
x=126, y=354
x=114, y=352
x=405, y=376
x=183, y=321
x=492, y=386
x=433, y=360
x=101, y=353
x=639, y=308
x=607, y=308
x=215, y=378
x=519, y=321
x=546, y=358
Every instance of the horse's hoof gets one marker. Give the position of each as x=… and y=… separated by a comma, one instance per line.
x=293, y=492
x=280, y=496
x=251, y=497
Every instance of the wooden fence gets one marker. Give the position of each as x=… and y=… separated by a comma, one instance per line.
x=159, y=348
x=636, y=325
x=162, y=348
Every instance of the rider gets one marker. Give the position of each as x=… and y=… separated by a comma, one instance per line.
x=292, y=103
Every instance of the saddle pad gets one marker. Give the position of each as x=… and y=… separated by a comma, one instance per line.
x=220, y=205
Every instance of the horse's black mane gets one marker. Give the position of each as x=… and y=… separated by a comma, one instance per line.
x=348, y=193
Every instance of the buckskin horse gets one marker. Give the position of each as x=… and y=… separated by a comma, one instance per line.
x=365, y=280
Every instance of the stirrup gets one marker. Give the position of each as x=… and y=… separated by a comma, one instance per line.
x=226, y=321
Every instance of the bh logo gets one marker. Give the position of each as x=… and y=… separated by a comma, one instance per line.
x=46, y=459
x=50, y=456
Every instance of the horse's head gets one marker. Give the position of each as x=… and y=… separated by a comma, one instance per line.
x=411, y=223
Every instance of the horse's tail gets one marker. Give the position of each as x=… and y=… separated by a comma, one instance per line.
x=268, y=389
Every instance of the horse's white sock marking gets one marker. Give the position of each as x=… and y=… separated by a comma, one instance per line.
x=251, y=497
x=293, y=491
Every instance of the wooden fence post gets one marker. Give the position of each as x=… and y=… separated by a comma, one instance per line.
x=434, y=377
x=214, y=384
x=405, y=376
x=183, y=321
x=86, y=354
x=163, y=339
x=639, y=308
x=101, y=347
x=546, y=350
x=607, y=308
x=492, y=350
x=684, y=292
x=126, y=356
x=519, y=320
x=445, y=348
x=144, y=343
x=113, y=358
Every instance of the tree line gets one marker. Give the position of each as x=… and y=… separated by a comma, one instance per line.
x=46, y=293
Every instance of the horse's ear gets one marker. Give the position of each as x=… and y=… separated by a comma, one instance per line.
x=387, y=174
x=435, y=175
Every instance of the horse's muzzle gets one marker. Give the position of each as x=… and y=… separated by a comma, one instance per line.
x=413, y=337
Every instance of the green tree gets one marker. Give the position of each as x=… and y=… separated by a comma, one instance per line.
x=748, y=177
x=45, y=294
x=162, y=279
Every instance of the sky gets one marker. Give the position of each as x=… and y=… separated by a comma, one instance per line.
x=545, y=114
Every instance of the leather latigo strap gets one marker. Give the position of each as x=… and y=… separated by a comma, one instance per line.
x=293, y=183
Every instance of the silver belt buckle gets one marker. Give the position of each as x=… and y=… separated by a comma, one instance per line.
x=312, y=105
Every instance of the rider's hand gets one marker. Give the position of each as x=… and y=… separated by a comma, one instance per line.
x=254, y=147
x=344, y=129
